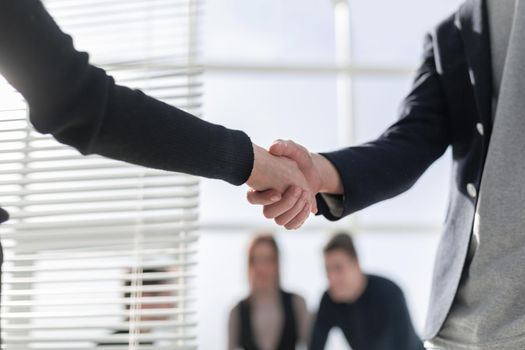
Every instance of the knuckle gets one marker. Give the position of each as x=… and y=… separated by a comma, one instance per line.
x=292, y=201
x=306, y=209
x=307, y=197
x=280, y=221
x=267, y=213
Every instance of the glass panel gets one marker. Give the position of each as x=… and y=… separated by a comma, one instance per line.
x=266, y=107
x=269, y=30
x=390, y=33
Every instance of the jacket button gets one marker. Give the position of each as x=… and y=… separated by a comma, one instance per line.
x=480, y=128
x=471, y=190
x=472, y=77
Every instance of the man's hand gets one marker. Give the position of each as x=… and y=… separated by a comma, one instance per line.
x=303, y=158
x=285, y=187
x=319, y=173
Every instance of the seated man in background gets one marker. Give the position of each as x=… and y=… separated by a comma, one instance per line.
x=269, y=318
x=370, y=311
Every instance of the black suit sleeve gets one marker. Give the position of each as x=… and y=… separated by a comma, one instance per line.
x=80, y=105
x=391, y=164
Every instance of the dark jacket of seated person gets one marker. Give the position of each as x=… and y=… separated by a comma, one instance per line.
x=371, y=311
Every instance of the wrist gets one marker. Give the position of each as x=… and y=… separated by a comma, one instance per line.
x=252, y=180
x=256, y=179
x=330, y=179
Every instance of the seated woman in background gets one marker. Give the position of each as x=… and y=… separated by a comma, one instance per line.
x=370, y=311
x=269, y=318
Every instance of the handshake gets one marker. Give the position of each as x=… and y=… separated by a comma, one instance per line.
x=286, y=179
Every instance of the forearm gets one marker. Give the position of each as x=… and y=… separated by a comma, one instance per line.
x=379, y=171
x=391, y=164
x=330, y=178
x=80, y=105
x=145, y=131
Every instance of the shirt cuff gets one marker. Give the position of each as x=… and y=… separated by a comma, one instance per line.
x=335, y=204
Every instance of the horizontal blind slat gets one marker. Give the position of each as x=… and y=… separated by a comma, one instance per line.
x=89, y=237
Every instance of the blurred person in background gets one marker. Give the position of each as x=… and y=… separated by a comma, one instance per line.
x=269, y=318
x=370, y=311
x=148, y=307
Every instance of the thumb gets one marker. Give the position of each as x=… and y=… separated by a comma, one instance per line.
x=314, y=209
x=263, y=197
x=278, y=148
x=291, y=150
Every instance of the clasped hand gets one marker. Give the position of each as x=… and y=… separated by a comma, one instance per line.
x=286, y=179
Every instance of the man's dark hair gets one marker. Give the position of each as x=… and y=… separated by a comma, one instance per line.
x=341, y=241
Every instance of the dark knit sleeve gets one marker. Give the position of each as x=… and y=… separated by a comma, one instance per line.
x=81, y=106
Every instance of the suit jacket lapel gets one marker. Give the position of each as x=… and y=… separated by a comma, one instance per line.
x=473, y=19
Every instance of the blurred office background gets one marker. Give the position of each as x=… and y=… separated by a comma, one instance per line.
x=324, y=73
x=272, y=70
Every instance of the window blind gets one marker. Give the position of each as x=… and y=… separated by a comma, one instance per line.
x=100, y=253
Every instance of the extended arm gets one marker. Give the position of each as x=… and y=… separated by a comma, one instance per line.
x=80, y=105
x=366, y=174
